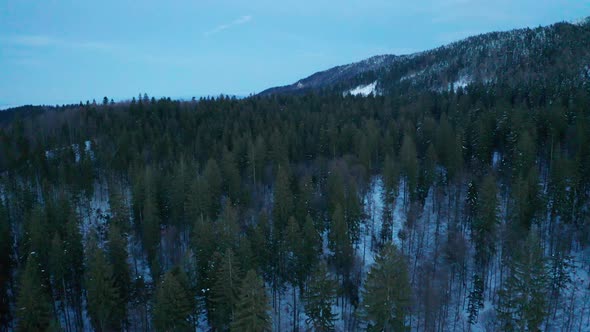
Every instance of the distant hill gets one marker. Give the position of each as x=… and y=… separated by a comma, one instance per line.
x=555, y=54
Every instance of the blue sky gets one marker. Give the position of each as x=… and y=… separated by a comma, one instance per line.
x=57, y=51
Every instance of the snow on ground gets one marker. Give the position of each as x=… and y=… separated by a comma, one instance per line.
x=285, y=306
x=94, y=212
x=462, y=81
x=366, y=248
x=363, y=90
x=496, y=159
x=54, y=153
x=412, y=75
x=580, y=21
x=574, y=306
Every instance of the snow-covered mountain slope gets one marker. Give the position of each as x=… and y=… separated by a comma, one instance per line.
x=555, y=54
x=336, y=75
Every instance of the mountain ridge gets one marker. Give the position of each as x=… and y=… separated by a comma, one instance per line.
x=519, y=56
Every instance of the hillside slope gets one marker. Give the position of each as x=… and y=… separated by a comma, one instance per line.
x=555, y=54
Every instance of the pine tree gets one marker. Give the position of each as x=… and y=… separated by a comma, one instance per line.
x=251, y=314
x=475, y=299
x=319, y=298
x=33, y=309
x=386, y=296
x=172, y=306
x=339, y=241
x=5, y=266
x=58, y=270
x=283, y=201
x=311, y=246
x=486, y=221
x=522, y=300
x=151, y=226
x=386, y=232
x=117, y=255
x=224, y=293
x=103, y=298
x=203, y=243
x=119, y=210
x=527, y=199
x=294, y=249
x=409, y=165
x=212, y=188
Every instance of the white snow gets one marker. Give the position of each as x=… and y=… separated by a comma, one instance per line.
x=462, y=81
x=54, y=153
x=496, y=159
x=412, y=75
x=580, y=21
x=363, y=90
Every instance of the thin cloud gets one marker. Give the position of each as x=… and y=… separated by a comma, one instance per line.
x=48, y=41
x=239, y=21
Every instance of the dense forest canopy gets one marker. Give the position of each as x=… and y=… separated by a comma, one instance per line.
x=423, y=211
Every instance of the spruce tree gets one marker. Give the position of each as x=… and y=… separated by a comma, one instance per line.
x=119, y=210
x=103, y=299
x=33, y=308
x=387, y=292
x=5, y=266
x=319, y=297
x=172, y=305
x=117, y=255
x=283, y=200
x=486, y=221
x=475, y=299
x=311, y=246
x=225, y=290
x=409, y=163
x=252, y=310
x=522, y=300
x=213, y=188
x=339, y=241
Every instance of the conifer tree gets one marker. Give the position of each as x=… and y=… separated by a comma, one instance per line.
x=117, y=255
x=522, y=300
x=319, y=298
x=224, y=293
x=486, y=221
x=386, y=296
x=172, y=305
x=283, y=200
x=475, y=299
x=409, y=165
x=386, y=232
x=252, y=310
x=33, y=309
x=119, y=210
x=151, y=226
x=103, y=299
x=5, y=266
x=339, y=241
x=58, y=270
x=213, y=188
x=311, y=246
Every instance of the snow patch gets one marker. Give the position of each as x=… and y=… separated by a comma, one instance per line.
x=461, y=82
x=363, y=90
x=580, y=21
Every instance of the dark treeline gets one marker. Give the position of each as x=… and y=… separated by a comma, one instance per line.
x=212, y=214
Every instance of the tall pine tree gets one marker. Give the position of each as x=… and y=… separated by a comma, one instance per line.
x=252, y=310
x=387, y=292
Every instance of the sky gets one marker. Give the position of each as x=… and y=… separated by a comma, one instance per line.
x=58, y=51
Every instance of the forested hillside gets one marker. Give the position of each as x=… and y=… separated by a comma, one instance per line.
x=557, y=55
x=434, y=211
